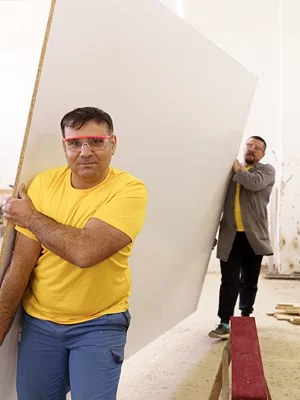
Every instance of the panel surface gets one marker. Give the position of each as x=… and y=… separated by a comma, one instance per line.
x=180, y=106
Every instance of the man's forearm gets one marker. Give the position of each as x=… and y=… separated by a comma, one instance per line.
x=65, y=241
x=11, y=293
x=24, y=258
x=257, y=180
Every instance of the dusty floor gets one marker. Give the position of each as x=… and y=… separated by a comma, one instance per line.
x=181, y=365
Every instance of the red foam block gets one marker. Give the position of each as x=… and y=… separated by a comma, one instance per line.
x=248, y=379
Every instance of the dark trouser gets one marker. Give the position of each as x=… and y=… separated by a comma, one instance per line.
x=239, y=277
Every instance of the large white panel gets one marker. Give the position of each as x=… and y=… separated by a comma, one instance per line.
x=22, y=28
x=180, y=106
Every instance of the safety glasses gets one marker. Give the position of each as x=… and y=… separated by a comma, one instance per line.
x=95, y=143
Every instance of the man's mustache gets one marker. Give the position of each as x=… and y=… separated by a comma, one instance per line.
x=85, y=161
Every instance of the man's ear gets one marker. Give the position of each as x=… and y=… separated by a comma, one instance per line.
x=64, y=145
x=114, y=144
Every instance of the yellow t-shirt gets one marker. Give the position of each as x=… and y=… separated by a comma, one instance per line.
x=237, y=207
x=62, y=292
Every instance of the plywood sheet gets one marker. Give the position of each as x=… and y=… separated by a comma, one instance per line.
x=179, y=104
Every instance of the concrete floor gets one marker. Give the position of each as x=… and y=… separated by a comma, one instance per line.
x=181, y=365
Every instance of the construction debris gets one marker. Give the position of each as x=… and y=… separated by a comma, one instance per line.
x=287, y=312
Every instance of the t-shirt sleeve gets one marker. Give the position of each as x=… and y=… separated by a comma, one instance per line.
x=126, y=211
x=34, y=193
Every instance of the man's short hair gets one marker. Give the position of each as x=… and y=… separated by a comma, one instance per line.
x=260, y=139
x=81, y=116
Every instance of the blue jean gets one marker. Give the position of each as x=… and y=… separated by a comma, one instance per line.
x=85, y=358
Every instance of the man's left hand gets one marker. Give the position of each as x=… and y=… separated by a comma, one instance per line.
x=19, y=211
x=236, y=166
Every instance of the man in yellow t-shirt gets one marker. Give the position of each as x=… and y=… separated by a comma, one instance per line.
x=75, y=230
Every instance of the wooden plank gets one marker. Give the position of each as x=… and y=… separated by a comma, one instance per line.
x=268, y=391
x=288, y=311
x=225, y=375
x=217, y=385
x=295, y=320
x=277, y=312
x=287, y=308
x=286, y=317
x=282, y=306
x=292, y=311
x=248, y=380
x=282, y=317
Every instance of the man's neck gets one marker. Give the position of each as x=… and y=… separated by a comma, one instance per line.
x=245, y=165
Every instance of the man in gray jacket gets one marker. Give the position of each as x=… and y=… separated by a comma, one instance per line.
x=243, y=235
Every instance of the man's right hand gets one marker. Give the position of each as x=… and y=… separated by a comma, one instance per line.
x=215, y=243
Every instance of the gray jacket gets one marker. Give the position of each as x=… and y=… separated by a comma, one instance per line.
x=256, y=187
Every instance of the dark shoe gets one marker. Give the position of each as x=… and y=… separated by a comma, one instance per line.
x=221, y=332
x=245, y=314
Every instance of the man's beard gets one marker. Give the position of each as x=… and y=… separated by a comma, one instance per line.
x=250, y=161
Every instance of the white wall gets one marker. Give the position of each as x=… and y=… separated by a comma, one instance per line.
x=290, y=189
